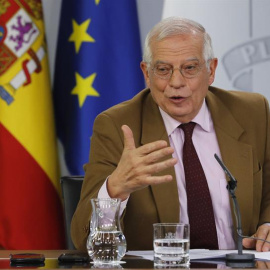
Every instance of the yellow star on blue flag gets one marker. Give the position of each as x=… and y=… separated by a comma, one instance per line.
x=84, y=88
x=80, y=34
x=97, y=66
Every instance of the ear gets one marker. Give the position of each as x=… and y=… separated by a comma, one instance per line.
x=212, y=70
x=144, y=69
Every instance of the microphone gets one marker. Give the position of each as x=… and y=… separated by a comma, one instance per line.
x=246, y=260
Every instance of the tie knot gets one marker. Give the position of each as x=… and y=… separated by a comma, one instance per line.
x=188, y=129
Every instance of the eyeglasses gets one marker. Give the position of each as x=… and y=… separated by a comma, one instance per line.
x=188, y=70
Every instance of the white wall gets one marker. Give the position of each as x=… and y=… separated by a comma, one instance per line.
x=241, y=38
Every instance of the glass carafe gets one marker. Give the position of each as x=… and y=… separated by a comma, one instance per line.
x=106, y=242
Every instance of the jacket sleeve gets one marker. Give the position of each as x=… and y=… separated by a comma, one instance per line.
x=265, y=202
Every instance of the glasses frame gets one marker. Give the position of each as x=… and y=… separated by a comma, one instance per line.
x=169, y=76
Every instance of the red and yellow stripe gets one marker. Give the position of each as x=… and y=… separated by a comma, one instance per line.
x=31, y=215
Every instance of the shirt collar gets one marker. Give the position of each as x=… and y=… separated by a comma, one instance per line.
x=202, y=119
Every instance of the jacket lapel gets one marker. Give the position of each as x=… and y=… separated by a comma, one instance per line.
x=165, y=195
x=236, y=155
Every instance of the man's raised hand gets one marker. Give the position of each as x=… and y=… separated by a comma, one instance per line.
x=138, y=166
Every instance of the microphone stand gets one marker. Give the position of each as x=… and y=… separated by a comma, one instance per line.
x=236, y=259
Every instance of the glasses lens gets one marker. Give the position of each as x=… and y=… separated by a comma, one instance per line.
x=163, y=71
x=190, y=69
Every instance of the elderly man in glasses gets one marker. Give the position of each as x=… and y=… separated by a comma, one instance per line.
x=137, y=147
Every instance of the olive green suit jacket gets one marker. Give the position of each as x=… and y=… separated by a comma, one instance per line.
x=242, y=126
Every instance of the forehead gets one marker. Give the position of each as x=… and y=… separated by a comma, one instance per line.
x=177, y=48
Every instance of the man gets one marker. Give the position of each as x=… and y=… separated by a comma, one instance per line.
x=137, y=146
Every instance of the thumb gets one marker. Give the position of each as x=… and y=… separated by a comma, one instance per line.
x=249, y=243
x=128, y=138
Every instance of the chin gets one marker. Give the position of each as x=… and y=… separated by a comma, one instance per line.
x=182, y=115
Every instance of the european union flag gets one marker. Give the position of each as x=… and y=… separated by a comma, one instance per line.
x=97, y=66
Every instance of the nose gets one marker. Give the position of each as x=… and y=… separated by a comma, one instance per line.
x=177, y=80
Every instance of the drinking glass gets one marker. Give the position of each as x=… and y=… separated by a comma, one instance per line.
x=171, y=244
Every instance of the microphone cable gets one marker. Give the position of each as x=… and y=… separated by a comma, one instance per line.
x=252, y=237
x=239, y=225
x=231, y=188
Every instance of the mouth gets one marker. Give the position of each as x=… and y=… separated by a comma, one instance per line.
x=177, y=98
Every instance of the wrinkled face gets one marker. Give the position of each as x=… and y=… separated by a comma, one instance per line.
x=177, y=95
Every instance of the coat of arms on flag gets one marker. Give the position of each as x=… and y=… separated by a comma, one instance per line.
x=19, y=35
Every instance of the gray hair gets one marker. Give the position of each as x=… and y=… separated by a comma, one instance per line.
x=174, y=26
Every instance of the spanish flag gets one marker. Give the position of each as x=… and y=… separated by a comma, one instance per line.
x=31, y=214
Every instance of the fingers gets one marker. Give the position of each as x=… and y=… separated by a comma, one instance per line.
x=144, y=150
x=156, y=158
x=156, y=167
x=151, y=147
x=150, y=150
x=137, y=167
x=263, y=232
x=155, y=180
x=262, y=265
x=249, y=243
x=128, y=138
x=147, y=159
